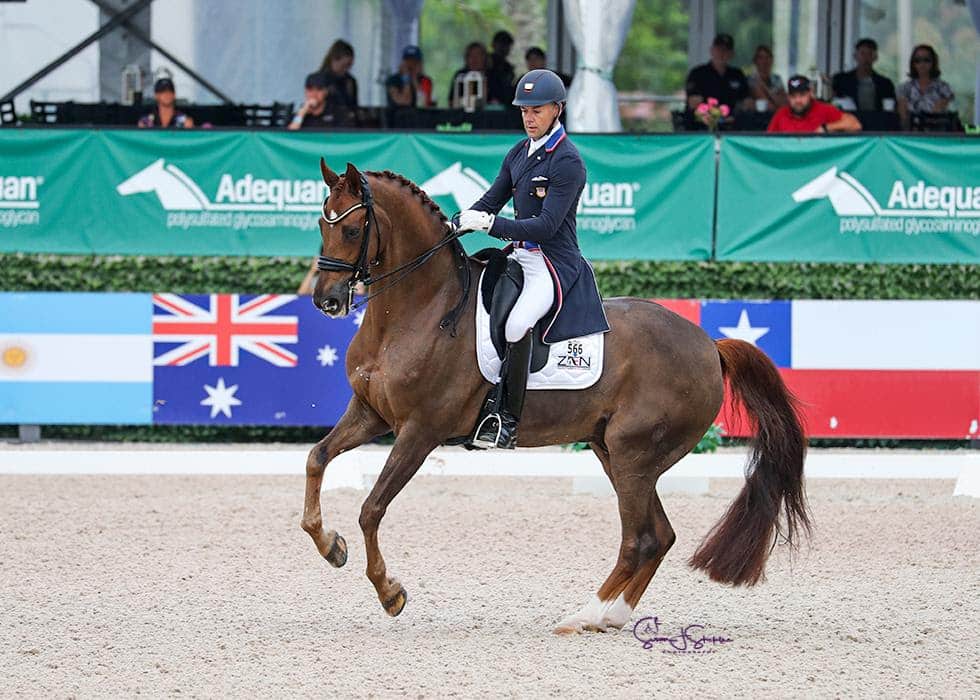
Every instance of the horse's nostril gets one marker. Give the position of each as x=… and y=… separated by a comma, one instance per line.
x=330, y=305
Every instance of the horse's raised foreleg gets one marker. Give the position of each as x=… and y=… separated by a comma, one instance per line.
x=358, y=425
x=409, y=451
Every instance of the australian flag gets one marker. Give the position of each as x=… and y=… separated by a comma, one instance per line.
x=268, y=359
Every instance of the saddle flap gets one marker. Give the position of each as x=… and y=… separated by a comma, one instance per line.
x=572, y=364
x=505, y=293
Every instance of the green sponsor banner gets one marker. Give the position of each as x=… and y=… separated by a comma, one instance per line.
x=860, y=199
x=259, y=193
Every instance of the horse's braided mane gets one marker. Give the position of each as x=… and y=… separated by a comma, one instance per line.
x=451, y=319
x=415, y=190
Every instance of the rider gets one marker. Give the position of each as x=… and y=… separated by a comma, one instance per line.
x=545, y=176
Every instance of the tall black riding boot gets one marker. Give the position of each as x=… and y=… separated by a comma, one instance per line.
x=505, y=401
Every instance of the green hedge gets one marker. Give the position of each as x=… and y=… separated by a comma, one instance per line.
x=282, y=275
x=645, y=279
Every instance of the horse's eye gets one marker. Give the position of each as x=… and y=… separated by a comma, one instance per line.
x=351, y=232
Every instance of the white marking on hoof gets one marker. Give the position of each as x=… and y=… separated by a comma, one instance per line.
x=598, y=616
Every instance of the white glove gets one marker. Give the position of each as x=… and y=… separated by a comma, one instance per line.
x=473, y=220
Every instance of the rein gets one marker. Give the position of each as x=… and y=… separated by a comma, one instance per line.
x=360, y=268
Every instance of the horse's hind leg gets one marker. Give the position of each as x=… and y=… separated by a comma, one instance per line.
x=358, y=425
x=606, y=609
x=660, y=537
x=646, y=537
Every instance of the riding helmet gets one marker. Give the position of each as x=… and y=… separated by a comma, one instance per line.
x=539, y=87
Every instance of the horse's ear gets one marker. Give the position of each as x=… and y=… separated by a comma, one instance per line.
x=329, y=176
x=353, y=179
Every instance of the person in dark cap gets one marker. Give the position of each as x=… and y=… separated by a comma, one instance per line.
x=410, y=87
x=863, y=85
x=804, y=114
x=165, y=115
x=500, y=72
x=718, y=79
x=536, y=58
x=313, y=113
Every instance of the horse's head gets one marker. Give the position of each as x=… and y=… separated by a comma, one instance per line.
x=350, y=239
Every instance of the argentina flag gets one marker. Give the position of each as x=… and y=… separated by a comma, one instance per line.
x=75, y=358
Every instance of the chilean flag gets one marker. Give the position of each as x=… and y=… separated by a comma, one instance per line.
x=902, y=369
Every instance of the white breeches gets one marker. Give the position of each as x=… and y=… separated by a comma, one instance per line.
x=536, y=297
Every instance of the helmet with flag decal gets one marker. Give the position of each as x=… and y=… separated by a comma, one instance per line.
x=539, y=87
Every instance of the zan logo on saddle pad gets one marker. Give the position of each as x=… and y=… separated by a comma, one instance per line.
x=575, y=357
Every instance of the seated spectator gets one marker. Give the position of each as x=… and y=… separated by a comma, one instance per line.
x=313, y=112
x=536, y=58
x=923, y=92
x=717, y=79
x=764, y=84
x=165, y=115
x=341, y=85
x=410, y=87
x=500, y=71
x=805, y=114
x=475, y=58
x=865, y=88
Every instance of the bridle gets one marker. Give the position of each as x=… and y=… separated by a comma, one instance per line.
x=360, y=269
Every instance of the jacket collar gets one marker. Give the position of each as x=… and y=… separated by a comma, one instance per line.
x=549, y=141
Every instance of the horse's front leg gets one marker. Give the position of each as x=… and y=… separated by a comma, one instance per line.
x=409, y=451
x=358, y=425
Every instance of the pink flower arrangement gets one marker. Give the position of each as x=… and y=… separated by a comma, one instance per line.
x=710, y=113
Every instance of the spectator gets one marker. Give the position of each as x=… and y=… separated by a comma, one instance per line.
x=806, y=114
x=313, y=112
x=923, y=92
x=717, y=79
x=410, y=87
x=862, y=85
x=165, y=115
x=475, y=58
x=535, y=58
x=341, y=85
x=764, y=84
x=500, y=71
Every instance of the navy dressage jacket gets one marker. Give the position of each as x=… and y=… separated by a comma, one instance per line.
x=546, y=188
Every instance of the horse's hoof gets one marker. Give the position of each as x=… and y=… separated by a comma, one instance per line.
x=337, y=554
x=566, y=628
x=394, y=605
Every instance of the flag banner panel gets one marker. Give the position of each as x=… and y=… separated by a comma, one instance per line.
x=897, y=369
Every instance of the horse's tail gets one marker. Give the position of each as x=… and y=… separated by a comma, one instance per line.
x=737, y=547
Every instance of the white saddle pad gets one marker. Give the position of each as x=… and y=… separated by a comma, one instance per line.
x=572, y=364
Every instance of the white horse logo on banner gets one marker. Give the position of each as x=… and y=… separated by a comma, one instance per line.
x=847, y=196
x=172, y=186
x=465, y=185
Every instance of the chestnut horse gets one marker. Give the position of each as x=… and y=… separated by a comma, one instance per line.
x=662, y=385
